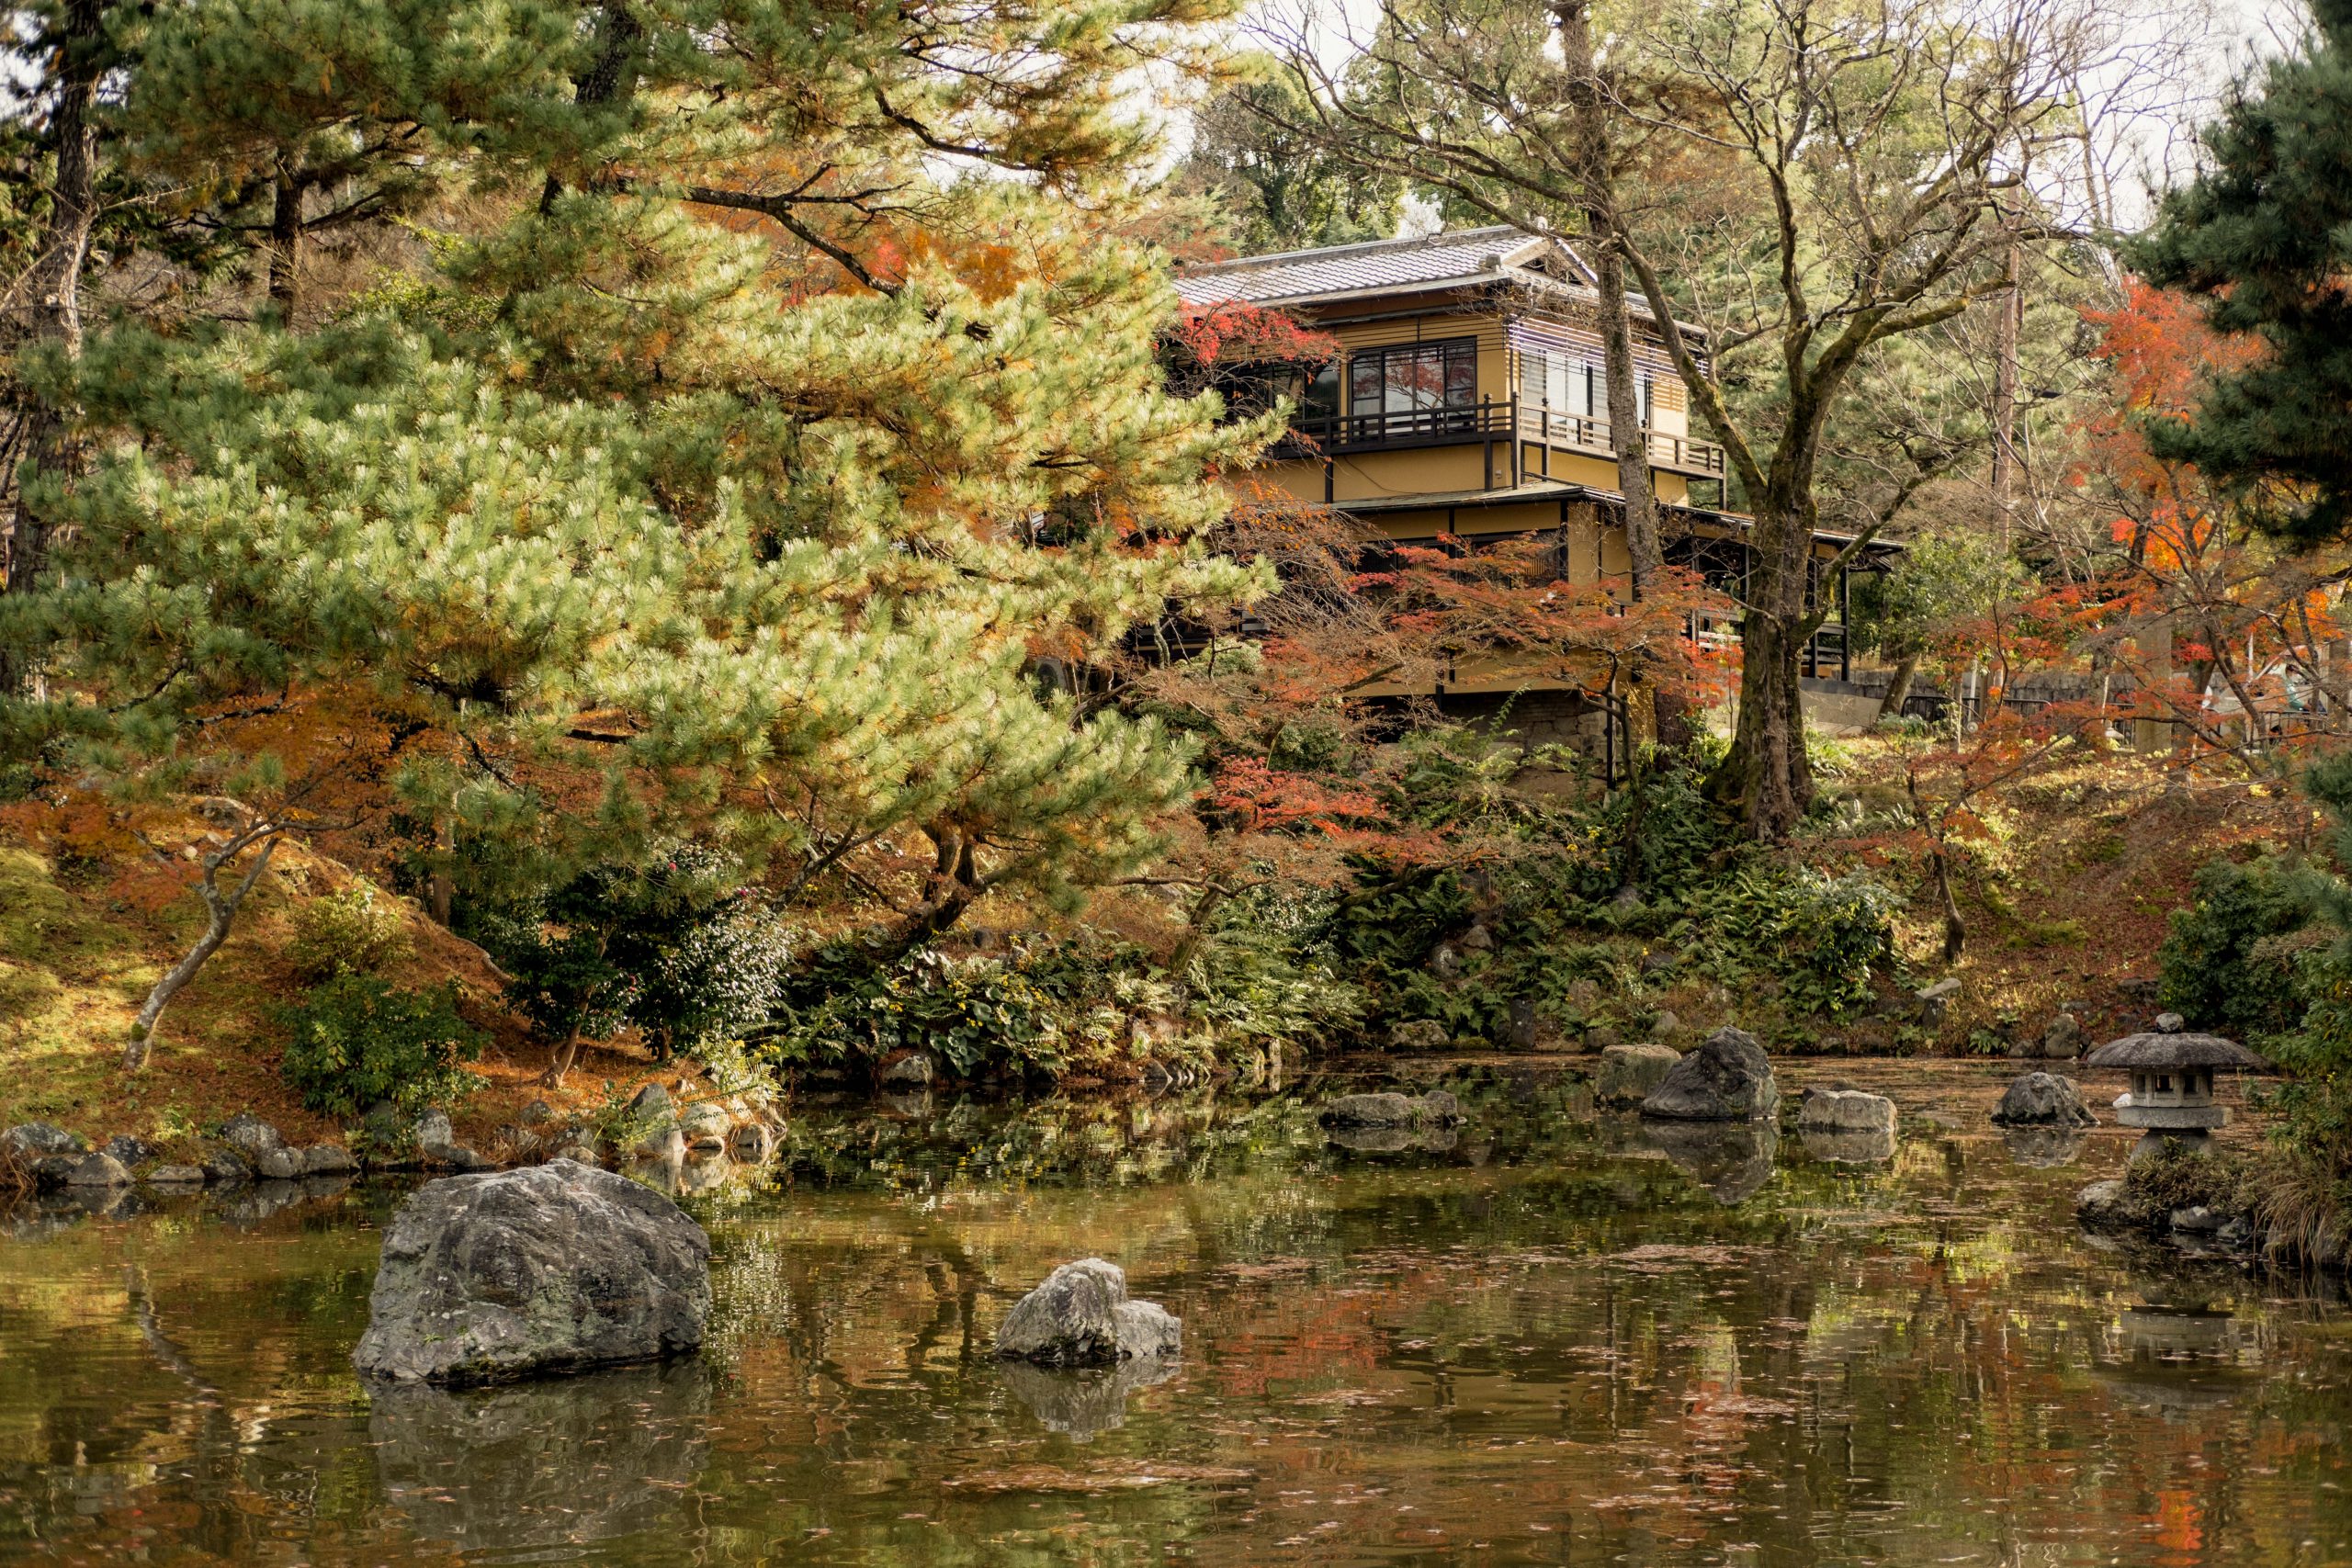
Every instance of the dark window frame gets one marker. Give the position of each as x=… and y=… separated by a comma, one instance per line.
x=1451, y=354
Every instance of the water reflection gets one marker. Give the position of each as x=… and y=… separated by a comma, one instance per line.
x=1875, y=1146
x=1392, y=1140
x=2044, y=1147
x=566, y=1462
x=1731, y=1160
x=1083, y=1402
x=1555, y=1343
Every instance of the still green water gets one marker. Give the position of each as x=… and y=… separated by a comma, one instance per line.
x=1550, y=1342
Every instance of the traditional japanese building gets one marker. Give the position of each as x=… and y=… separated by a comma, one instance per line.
x=1467, y=401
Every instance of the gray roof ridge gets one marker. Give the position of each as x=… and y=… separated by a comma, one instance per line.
x=1360, y=247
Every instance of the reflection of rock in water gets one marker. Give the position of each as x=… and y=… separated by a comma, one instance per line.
x=2044, y=1146
x=1084, y=1400
x=1730, y=1159
x=565, y=1463
x=1392, y=1140
x=1872, y=1147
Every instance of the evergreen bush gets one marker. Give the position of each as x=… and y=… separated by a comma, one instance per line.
x=354, y=1041
x=355, y=932
x=2223, y=967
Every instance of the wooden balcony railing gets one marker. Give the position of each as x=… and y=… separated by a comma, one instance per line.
x=1489, y=423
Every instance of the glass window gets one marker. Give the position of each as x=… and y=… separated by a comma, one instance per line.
x=1414, y=375
x=1321, y=403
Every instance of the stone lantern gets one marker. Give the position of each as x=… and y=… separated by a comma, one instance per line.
x=2172, y=1082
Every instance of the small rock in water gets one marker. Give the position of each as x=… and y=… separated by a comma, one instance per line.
x=1846, y=1110
x=30, y=1139
x=222, y=1167
x=913, y=1070
x=458, y=1156
x=1436, y=1108
x=100, y=1170
x=1082, y=1317
x=129, y=1150
x=433, y=1135
x=326, y=1159
x=2102, y=1204
x=280, y=1164
x=1419, y=1034
x=2062, y=1040
x=175, y=1175
x=1628, y=1073
x=1727, y=1078
x=251, y=1136
x=549, y=1269
x=2042, y=1099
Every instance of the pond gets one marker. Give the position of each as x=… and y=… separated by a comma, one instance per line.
x=1547, y=1341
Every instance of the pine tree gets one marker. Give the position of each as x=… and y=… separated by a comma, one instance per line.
x=732, y=479
x=2264, y=234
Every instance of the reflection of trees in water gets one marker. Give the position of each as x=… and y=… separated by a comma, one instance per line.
x=1895, y=1364
x=567, y=1461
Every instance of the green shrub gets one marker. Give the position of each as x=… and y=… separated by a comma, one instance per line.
x=677, y=947
x=2222, y=967
x=717, y=975
x=1267, y=973
x=354, y=1041
x=976, y=1014
x=1821, y=936
x=355, y=932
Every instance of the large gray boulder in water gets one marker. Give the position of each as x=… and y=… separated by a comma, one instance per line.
x=1726, y=1080
x=2042, y=1099
x=1080, y=1317
x=549, y=1269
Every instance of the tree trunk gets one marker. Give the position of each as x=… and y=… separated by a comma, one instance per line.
x=440, y=887
x=286, y=241
x=1766, y=774
x=221, y=909
x=1899, y=688
x=1955, y=934
x=53, y=291
x=1629, y=885
x=1658, y=717
x=2004, y=401
x=561, y=1062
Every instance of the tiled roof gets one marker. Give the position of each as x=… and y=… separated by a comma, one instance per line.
x=1465, y=255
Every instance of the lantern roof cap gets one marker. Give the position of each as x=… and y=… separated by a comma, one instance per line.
x=2172, y=1047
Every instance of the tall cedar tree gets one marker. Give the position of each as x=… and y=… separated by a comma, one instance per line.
x=2265, y=236
x=736, y=472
